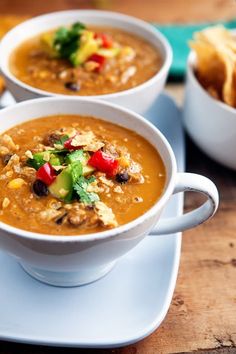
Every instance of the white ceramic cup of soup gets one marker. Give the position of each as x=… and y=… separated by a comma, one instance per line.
x=210, y=123
x=76, y=260
x=138, y=98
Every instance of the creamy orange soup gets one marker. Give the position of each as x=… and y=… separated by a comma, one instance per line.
x=121, y=62
x=72, y=175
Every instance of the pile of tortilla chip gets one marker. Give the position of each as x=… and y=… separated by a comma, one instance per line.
x=7, y=22
x=215, y=48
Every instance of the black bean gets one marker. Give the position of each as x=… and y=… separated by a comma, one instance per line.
x=6, y=158
x=59, y=221
x=89, y=207
x=73, y=86
x=51, y=139
x=40, y=188
x=122, y=177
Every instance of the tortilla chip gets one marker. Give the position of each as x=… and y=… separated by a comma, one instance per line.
x=216, y=62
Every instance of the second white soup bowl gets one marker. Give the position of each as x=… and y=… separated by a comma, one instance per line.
x=138, y=98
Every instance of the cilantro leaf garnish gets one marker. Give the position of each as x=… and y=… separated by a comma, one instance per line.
x=81, y=189
x=62, y=140
x=76, y=171
x=66, y=40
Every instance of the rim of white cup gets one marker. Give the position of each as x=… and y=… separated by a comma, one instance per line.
x=160, y=203
x=167, y=59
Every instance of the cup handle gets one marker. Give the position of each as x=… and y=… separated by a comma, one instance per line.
x=190, y=182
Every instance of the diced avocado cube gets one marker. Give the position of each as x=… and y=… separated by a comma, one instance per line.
x=56, y=160
x=87, y=170
x=38, y=160
x=109, y=53
x=88, y=46
x=62, y=187
x=47, y=40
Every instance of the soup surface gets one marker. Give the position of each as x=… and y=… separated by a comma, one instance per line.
x=71, y=175
x=78, y=61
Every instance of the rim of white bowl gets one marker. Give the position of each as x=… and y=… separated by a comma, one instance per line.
x=117, y=230
x=167, y=57
x=191, y=63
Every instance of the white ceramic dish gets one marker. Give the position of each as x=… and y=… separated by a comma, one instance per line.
x=138, y=98
x=77, y=260
x=210, y=123
x=123, y=307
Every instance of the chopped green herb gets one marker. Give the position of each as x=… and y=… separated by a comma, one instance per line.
x=76, y=171
x=81, y=189
x=77, y=155
x=56, y=160
x=62, y=140
x=66, y=40
x=90, y=179
x=36, y=162
x=57, y=151
x=38, y=159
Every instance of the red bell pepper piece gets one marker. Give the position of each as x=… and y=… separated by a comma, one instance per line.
x=100, y=59
x=46, y=174
x=104, y=163
x=106, y=40
x=67, y=144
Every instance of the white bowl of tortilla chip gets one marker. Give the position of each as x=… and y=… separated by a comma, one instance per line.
x=210, y=122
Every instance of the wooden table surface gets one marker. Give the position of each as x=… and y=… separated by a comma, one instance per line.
x=202, y=316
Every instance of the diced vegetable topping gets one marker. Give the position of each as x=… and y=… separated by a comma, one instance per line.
x=77, y=167
x=68, y=144
x=81, y=47
x=40, y=158
x=109, y=53
x=67, y=40
x=105, y=39
x=46, y=174
x=77, y=155
x=104, y=163
x=81, y=189
x=37, y=161
x=99, y=59
x=62, y=140
x=63, y=170
x=62, y=187
x=88, y=46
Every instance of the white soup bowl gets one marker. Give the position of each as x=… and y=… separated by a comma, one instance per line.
x=138, y=98
x=75, y=260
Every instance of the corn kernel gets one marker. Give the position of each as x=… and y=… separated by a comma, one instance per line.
x=5, y=203
x=91, y=66
x=29, y=154
x=43, y=74
x=9, y=173
x=16, y=183
x=123, y=161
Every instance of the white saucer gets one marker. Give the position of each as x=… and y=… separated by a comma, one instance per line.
x=123, y=307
